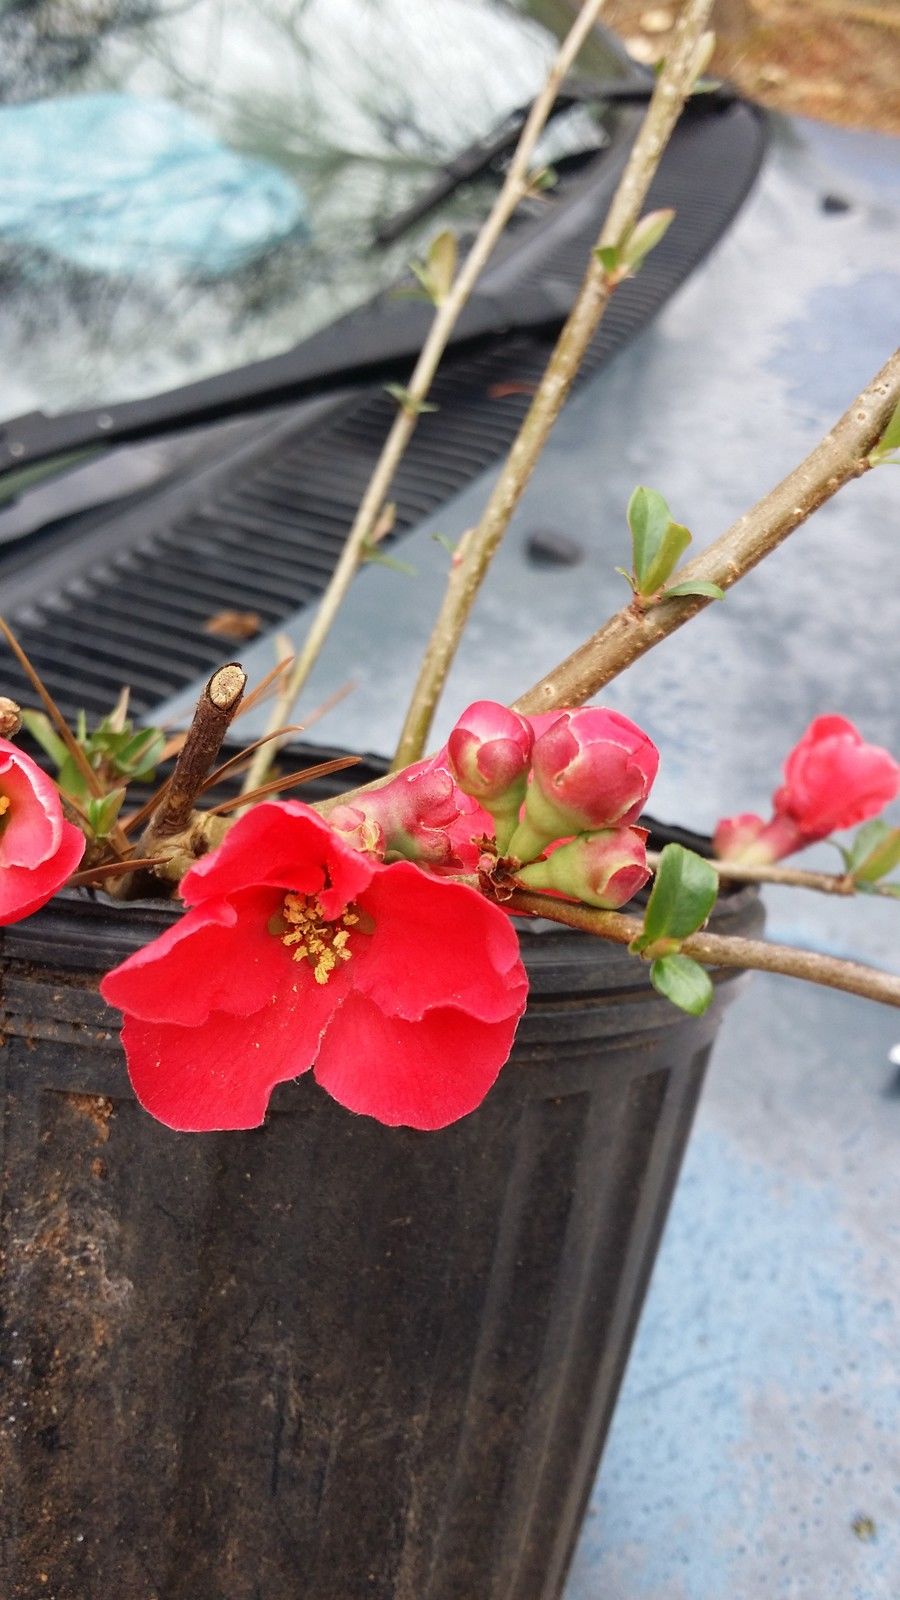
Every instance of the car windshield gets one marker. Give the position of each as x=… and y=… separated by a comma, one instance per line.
x=191, y=186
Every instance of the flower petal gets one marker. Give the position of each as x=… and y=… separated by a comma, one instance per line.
x=25, y=889
x=283, y=844
x=33, y=827
x=422, y=1074
x=436, y=943
x=220, y=957
x=221, y=1075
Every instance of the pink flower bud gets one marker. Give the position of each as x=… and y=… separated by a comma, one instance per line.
x=600, y=869
x=833, y=780
x=591, y=769
x=39, y=850
x=419, y=815
x=489, y=752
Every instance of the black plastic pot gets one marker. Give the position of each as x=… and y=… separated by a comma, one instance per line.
x=324, y=1359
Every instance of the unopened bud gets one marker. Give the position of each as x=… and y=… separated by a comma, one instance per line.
x=591, y=769
x=10, y=718
x=489, y=752
x=599, y=869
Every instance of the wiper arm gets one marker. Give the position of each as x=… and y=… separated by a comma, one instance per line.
x=477, y=158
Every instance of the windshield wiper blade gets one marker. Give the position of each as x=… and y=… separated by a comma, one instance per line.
x=478, y=157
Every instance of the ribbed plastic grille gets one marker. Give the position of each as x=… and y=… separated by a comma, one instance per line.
x=267, y=537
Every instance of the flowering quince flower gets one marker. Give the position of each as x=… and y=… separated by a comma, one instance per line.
x=599, y=869
x=420, y=815
x=591, y=769
x=402, y=991
x=833, y=780
x=39, y=850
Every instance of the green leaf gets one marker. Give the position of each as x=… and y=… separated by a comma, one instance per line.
x=891, y=888
x=140, y=753
x=684, y=893
x=684, y=982
x=644, y=237
x=72, y=781
x=629, y=578
x=699, y=586
x=372, y=553
x=441, y=260
x=539, y=182
x=43, y=732
x=407, y=401
x=102, y=812
x=609, y=258
x=446, y=543
x=874, y=852
x=657, y=542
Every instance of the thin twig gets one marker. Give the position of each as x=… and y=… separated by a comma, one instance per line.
x=236, y=763
x=112, y=869
x=840, y=883
x=56, y=717
x=278, y=785
x=466, y=576
x=718, y=950
x=447, y=312
x=840, y=457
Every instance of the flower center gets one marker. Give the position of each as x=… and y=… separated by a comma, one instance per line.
x=309, y=936
x=4, y=810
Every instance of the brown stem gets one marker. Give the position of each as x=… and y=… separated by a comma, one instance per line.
x=792, y=877
x=215, y=709
x=674, y=85
x=717, y=950
x=841, y=456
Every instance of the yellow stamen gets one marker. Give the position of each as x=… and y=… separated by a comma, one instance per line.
x=311, y=937
x=4, y=804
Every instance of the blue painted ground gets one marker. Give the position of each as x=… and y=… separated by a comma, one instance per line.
x=755, y=1450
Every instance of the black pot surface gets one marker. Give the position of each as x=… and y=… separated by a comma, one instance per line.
x=324, y=1359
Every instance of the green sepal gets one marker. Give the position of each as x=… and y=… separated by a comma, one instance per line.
x=684, y=982
x=683, y=894
x=710, y=590
x=407, y=402
x=657, y=542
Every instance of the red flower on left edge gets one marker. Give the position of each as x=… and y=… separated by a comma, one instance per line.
x=39, y=850
x=403, y=991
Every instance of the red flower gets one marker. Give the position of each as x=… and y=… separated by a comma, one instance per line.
x=39, y=850
x=403, y=990
x=833, y=780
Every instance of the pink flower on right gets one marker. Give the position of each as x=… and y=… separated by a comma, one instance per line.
x=833, y=780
